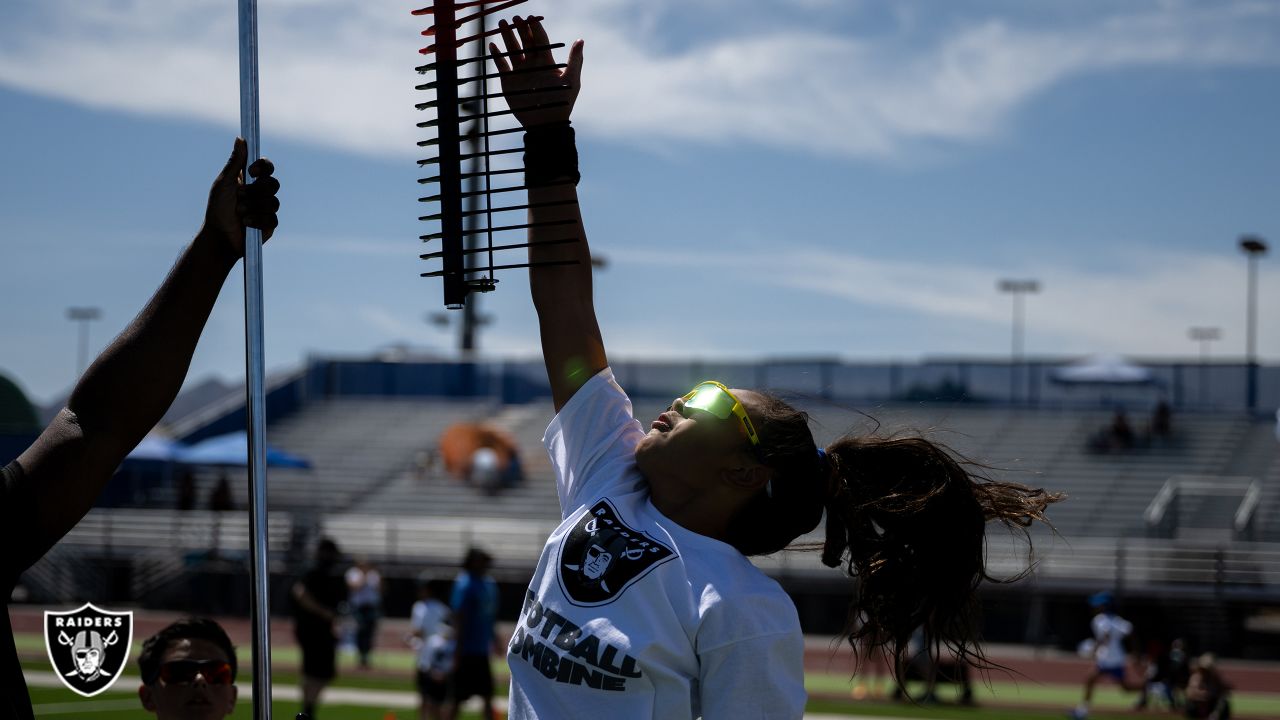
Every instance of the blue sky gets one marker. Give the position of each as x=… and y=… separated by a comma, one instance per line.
x=808, y=177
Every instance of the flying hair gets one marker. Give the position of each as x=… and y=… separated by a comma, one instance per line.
x=906, y=519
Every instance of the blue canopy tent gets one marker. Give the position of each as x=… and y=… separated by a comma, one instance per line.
x=156, y=447
x=232, y=449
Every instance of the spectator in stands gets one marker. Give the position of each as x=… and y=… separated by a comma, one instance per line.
x=220, y=497
x=1122, y=437
x=122, y=395
x=475, y=608
x=364, y=593
x=432, y=637
x=188, y=671
x=1110, y=636
x=318, y=598
x=1162, y=421
x=644, y=595
x=485, y=471
x=187, y=491
x=1207, y=692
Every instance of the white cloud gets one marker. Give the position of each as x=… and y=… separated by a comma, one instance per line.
x=339, y=73
x=1144, y=307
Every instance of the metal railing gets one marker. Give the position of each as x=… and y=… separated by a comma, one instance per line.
x=1132, y=563
x=1163, y=514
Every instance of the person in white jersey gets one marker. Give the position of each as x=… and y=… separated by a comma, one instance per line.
x=433, y=640
x=644, y=603
x=1110, y=656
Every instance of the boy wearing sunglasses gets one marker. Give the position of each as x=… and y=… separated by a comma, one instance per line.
x=644, y=603
x=189, y=671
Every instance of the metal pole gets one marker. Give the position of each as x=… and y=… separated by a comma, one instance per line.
x=1017, y=288
x=1253, y=246
x=1204, y=336
x=255, y=379
x=1252, y=329
x=82, y=356
x=82, y=316
x=1204, y=371
x=1015, y=365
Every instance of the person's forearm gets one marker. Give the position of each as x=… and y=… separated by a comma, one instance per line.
x=553, y=285
x=122, y=395
x=129, y=387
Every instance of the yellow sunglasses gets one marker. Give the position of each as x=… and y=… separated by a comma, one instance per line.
x=712, y=397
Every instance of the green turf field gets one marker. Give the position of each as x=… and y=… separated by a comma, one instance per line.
x=831, y=694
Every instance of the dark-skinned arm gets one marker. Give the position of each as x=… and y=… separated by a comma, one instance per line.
x=128, y=388
x=572, y=346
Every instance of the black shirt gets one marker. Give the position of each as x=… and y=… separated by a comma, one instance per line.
x=17, y=508
x=327, y=588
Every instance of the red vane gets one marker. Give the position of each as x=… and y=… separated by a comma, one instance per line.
x=474, y=3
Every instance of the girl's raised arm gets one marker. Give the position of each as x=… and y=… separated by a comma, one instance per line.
x=572, y=346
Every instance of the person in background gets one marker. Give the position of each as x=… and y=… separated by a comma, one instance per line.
x=220, y=497
x=1110, y=635
x=187, y=491
x=318, y=597
x=475, y=607
x=432, y=637
x=1162, y=420
x=1207, y=691
x=188, y=671
x=123, y=394
x=364, y=586
x=1167, y=673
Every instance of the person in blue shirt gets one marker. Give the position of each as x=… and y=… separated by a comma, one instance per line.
x=475, y=608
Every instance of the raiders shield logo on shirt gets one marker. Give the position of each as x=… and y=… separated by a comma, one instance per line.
x=88, y=646
x=601, y=557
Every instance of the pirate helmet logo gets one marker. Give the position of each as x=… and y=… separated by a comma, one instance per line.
x=88, y=646
x=602, y=556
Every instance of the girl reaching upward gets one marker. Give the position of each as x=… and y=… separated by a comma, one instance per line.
x=644, y=603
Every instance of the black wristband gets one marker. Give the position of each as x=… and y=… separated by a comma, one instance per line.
x=550, y=155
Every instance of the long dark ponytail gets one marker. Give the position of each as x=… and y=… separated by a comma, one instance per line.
x=905, y=518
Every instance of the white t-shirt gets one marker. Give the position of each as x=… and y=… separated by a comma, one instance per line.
x=631, y=616
x=426, y=616
x=365, y=587
x=1109, y=631
x=437, y=654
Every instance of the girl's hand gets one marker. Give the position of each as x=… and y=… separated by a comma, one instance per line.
x=530, y=107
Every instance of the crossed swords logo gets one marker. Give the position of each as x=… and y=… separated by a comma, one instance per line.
x=87, y=650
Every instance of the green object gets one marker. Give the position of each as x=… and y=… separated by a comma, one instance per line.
x=17, y=415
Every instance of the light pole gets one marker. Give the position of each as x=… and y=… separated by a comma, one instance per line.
x=1204, y=336
x=1019, y=289
x=84, y=316
x=1254, y=247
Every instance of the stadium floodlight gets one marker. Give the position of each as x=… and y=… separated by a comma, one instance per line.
x=1018, y=289
x=1254, y=247
x=1204, y=336
x=84, y=316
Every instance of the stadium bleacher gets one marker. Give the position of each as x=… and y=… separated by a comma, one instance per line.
x=368, y=489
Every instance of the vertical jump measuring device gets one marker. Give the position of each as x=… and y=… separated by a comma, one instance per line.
x=260, y=613
x=462, y=115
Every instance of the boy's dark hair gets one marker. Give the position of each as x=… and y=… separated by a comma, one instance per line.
x=189, y=628
x=905, y=517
